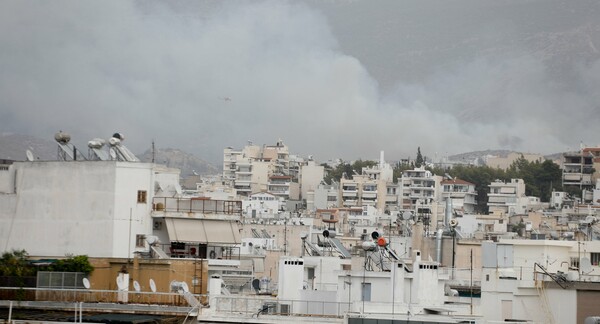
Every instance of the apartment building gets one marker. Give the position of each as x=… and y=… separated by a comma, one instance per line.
x=461, y=192
x=504, y=162
x=249, y=170
x=419, y=191
x=506, y=198
x=578, y=167
x=370, y=188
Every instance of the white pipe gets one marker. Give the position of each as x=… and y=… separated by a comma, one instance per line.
x=448, y=214
x=9, y=311
x=438, y=245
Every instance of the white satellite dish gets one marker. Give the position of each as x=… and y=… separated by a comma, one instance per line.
x=185, y=287
x=152, y=285
x=86, y=283
x=121, y=283
x=136, y=286
x=406, y=215
x=586, y=265
x=29, y=155
x=453, y=222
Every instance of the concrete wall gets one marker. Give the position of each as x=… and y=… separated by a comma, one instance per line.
x=312, y=175
x=79, y=207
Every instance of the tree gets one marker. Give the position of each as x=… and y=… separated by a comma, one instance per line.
x=419, y=161
x=15, y=264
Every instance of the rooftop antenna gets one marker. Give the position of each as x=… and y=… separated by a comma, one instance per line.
x=153, y=151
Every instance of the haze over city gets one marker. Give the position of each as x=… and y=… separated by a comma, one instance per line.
x=330, y=78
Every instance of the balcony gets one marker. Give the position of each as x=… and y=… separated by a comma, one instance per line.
x=369, y=194
x=350, y=193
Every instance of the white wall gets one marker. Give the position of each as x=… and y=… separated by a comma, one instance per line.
x=311, y=176
x=77, y=207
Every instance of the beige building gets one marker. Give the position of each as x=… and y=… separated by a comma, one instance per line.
x=503, y=197
x=462, y=194
x=504, y=162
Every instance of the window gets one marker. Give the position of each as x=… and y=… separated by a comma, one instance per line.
x=140, y=240
x=595, y=258
x=141, y=196
x=575, y=262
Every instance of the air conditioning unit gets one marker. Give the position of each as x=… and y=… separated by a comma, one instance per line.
x=157, y=225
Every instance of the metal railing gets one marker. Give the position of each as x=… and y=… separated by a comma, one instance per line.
x=268, y=306
x=196, y=205
x=94, y=296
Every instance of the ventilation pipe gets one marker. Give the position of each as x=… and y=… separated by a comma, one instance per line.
x=440, y=232
x=438, y=245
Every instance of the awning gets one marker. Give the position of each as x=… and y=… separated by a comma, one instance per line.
x=205, y=231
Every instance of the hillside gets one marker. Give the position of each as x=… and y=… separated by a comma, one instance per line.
x=176, y=158
x=14, y=146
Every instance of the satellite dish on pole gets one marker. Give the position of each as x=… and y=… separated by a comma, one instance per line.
x=152, y=285
x=86, y=283
x=136, y=286
x=586, y=266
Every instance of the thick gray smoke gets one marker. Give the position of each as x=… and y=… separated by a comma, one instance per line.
x=201, y=76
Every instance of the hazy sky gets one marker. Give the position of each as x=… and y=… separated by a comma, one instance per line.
x=330, y=78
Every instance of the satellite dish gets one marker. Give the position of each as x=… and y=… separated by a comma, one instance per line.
x=406, y=215
x=185, y=287
x=586, y=266
x=375, y=235
x=121, y=284
x=152, y=285
x=453, y=222
x=136, y=286
x=29, y=155
x=256, y=284
x=86, y=283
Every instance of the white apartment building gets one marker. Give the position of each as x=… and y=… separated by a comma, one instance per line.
x=578, y=168
x=506, y=198
x=97, y=208
x=325, y=197
x=370, y=188
x=261, y=205
x=462, y=193
x=284, y=187
x=540, y=281
x=270, y=168
x=311, y=176
x=419, y=191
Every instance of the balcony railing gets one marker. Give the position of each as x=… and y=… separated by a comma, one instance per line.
x=196, y=205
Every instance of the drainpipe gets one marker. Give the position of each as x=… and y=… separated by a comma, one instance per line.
x=438, y=245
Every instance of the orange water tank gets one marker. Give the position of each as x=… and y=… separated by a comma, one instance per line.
x=381, y=241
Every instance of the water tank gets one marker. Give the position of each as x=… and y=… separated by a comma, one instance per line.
x=62, y=137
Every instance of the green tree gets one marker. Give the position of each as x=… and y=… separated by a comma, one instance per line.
x=79, y=263
x=419, y=161
x=15, y=264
